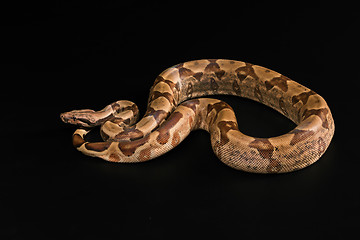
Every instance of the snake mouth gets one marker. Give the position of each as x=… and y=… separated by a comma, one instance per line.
x=64, y=118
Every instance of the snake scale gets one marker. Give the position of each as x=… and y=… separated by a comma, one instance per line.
x=176, y=107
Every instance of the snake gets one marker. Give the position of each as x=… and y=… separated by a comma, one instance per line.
x=178, y=104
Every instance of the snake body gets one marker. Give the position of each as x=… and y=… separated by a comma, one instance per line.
x=176, y=107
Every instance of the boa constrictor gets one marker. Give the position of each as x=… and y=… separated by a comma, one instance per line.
x=175, y=109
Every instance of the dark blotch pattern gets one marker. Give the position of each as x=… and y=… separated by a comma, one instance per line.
x=164, y=129
x=198, y=75
x=192, y=104
x=321, y=113
x=245, y=71
x=158, y=115
x=185, y=73
x=282, y=106
x=321, y=146
x=236, y=88
x=280, y=82
x=258, y=94
x=300, y=135
x=97, y=146
x=189, y=90
x=77, y=140
x=213, y=66
x=217, y=107
x=129, y=148
x=225, y=127
x=303, y=97
x=213, y=85
x=168, y=96
x=266, y=149
x=173, y=86
x=129, y=133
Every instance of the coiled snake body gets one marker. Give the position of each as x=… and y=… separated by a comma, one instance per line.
x=175, y=109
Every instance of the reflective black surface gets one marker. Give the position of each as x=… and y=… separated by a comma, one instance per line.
x=59, y=57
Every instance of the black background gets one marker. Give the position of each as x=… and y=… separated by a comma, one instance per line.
x=60, y=56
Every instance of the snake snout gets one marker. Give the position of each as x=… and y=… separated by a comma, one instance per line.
x=67, y=118
x=79, y=118
x=62, y=116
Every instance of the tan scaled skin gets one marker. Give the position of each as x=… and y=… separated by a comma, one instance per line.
x=175, y=108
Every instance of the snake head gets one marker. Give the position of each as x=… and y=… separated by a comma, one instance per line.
x=82, y=118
